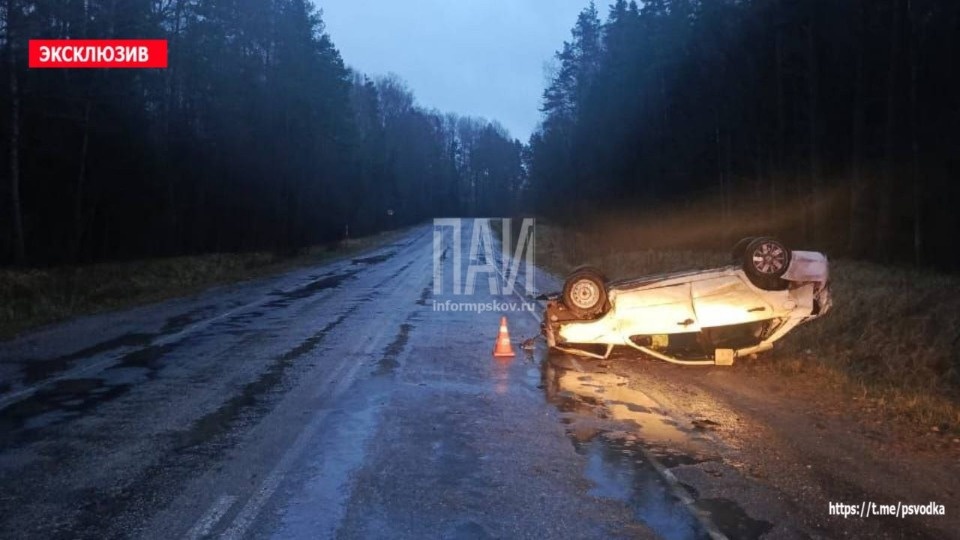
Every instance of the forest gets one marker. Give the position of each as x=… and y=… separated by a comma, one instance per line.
x=257, y=137
x=832, y=123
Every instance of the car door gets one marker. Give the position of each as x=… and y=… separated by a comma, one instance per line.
x=660, y=310
x=728, y=300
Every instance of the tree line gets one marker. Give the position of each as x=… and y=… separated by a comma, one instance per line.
x=832, y=123
x=257, y=137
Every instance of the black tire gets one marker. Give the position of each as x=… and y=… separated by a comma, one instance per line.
x=740, y=248
x=585, y=293
x=765, y=260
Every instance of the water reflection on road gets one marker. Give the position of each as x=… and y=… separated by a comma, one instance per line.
x=629, y=441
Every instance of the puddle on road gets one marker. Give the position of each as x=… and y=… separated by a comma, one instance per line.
x=67, y=399
x=179, y=322
x=619, y=472
x=207, y=434
x=142, y=360
x=619, y=429
x=243, y=405
x=36, y=370
x=733, y=521
x=620, y=402
x=238, y=323
x=326, y=282
x=147, y=358
x=64, y=400
x=374, y=259
x=389, y=362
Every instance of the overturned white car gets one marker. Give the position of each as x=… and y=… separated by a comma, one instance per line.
x=701, y=317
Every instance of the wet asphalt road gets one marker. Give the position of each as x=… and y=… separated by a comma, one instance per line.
x=336, y=402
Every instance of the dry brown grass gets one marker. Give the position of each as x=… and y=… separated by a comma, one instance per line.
x=34, y=297
x=892, y=339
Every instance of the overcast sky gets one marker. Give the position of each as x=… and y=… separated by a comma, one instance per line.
x=472, y=57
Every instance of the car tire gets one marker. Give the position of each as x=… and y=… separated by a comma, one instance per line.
x=765, y=261
x=740, y=248
x=585, y=292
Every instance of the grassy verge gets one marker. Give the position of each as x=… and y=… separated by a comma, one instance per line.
x=892, y=340
x=34, y=297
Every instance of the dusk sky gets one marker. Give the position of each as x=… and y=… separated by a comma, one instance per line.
x=472, y=57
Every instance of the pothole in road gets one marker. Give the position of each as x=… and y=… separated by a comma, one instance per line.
x=374, y=259
x=64, y=400
x=39, y=369
x=147, y=359
x=70, y=398
x=327, y=282
x=36, y=370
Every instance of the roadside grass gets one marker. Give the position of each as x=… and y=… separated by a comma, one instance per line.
x=34, y=297
x=891, y=341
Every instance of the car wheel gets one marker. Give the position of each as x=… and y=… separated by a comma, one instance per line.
x=585, y=292
x=740, y=248
x=765, y=261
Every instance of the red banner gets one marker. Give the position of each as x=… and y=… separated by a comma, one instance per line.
x=98, y=53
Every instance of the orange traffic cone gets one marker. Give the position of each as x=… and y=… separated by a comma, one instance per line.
x=503, y=347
